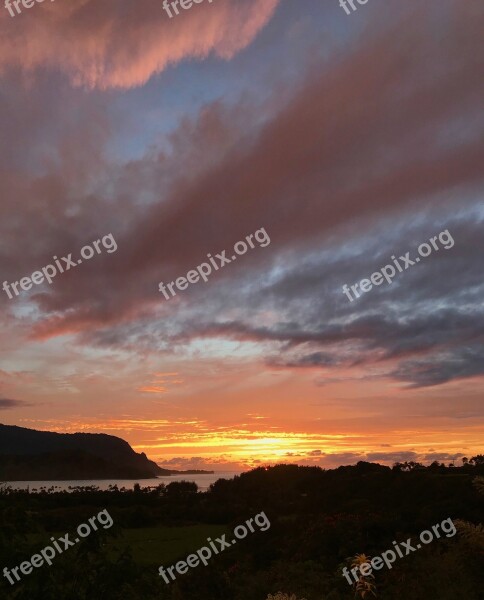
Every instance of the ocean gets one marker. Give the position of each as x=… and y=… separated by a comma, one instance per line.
x=203, y=482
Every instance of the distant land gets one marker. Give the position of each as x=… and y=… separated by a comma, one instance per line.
x=27, y=454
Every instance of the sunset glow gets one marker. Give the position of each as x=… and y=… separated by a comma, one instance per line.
x=182, y=138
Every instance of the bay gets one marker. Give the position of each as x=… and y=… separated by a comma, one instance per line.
x=202, y=480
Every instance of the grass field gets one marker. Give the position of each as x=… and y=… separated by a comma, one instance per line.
x=164, y=545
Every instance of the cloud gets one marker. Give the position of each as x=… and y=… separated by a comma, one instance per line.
x=334, y=460
x=391, y=457
x=122, y=43
x=225, y=463
x=442, y=456
x=314, y=359
x=456, y=363
x=215, y=208
x=374, y=171
x=7, y=404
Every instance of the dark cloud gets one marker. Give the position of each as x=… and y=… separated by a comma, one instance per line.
x=457, y=363
x=332, y=460
x=442, y=456
x=315, y=359
x=391, y=456
x=7, y=403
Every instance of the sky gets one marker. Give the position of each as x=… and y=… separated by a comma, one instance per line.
x=336, y=140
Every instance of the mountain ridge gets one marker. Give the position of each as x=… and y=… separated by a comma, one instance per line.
x=29, y=454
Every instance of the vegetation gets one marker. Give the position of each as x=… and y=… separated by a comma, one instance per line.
x=318, y=519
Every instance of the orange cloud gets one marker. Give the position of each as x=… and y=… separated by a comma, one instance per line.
x=160, y=383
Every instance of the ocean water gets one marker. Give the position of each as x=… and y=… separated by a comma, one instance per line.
x=203, y=481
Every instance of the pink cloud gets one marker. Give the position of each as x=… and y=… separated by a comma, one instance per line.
x=122, y=43
x=341, y=166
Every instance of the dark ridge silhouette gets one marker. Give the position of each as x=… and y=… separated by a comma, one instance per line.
x=27, y=454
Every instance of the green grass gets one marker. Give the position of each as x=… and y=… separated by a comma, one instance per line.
x=155, y=545
x=164, y=545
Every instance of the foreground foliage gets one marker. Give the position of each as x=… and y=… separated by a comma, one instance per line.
x=318, y=518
